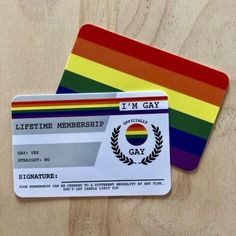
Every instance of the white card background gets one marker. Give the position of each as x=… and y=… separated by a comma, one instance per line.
x=107, y=175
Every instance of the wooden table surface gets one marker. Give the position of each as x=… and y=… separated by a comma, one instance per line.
x=36, y=39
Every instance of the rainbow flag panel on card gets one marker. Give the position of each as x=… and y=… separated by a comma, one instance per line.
x=136, y=134
x=82, y=107
x=102, y=61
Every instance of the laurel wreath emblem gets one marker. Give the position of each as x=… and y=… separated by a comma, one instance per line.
x=116, y=149
x=128, y=160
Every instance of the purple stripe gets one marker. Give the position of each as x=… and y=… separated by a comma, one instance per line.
x=183, y=159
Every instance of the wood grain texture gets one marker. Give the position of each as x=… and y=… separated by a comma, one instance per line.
x=36, y=39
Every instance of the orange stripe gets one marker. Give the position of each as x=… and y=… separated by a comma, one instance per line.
x=150, y=54
x=149, y=72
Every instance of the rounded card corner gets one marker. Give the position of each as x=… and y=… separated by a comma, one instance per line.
x=85, y=27
x=164, y=93
x=193, y=169
x=167, y=191
x=15, y=98
x=18, y=194
x=226, y=79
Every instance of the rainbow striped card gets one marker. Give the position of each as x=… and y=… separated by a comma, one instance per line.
x=104, y=61
x=100, y=144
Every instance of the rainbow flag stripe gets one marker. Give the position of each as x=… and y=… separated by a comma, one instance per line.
x=107, y=62
x=136, y=134
x=82, y=107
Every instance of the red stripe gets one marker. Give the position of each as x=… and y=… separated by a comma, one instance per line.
x=86, y=101
x=153, y=55
x=136, y=127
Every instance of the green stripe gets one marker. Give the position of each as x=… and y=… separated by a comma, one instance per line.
x=189, y=124
x=178, y=120
x=136, y=136
x=61, y=110
x=81, y=84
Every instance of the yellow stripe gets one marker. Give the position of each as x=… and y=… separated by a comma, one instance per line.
x=63, y=107
x=135, y=132
x=126, y=82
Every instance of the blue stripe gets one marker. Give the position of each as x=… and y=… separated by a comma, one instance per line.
x=187, y=142
x=136, y=141
x=61, y=89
